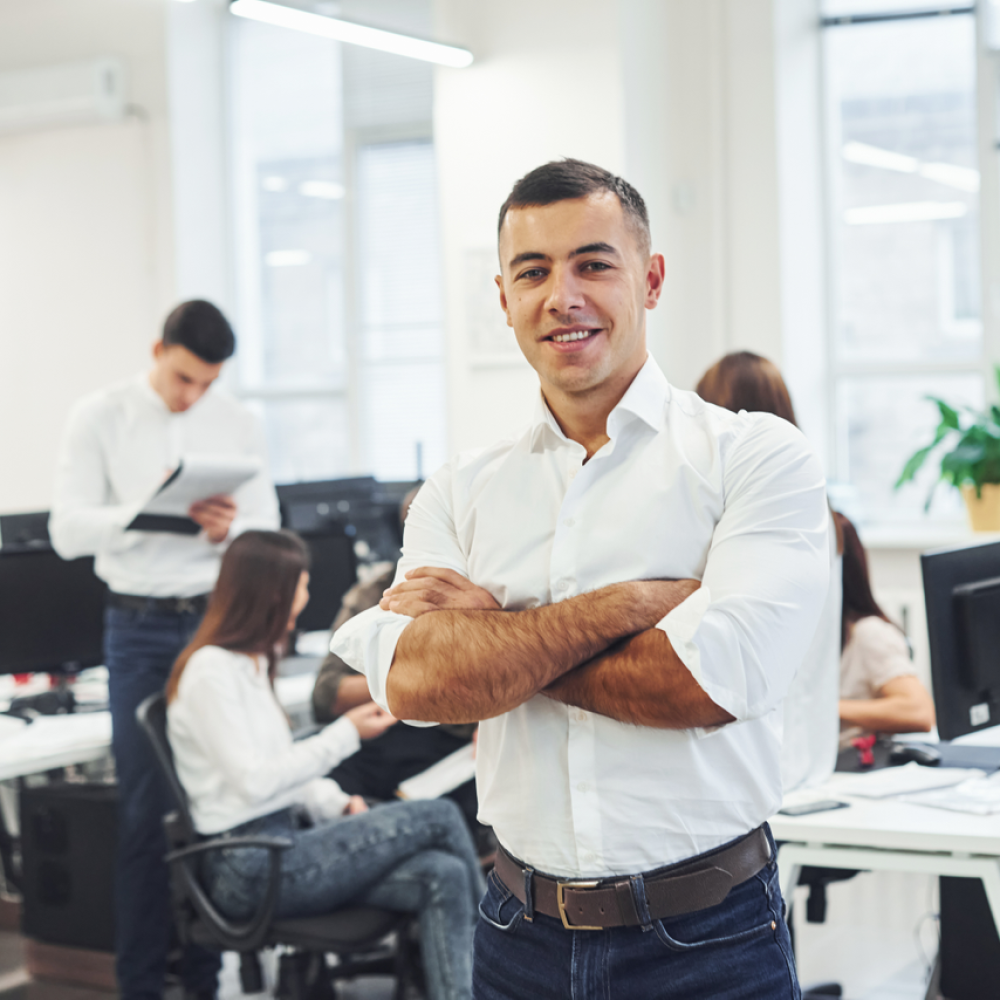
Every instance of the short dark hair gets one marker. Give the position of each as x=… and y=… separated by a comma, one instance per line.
x=202, y=329
x=565, y=180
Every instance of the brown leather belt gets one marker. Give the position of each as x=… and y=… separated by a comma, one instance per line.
x=592, y=905
x=159, y=605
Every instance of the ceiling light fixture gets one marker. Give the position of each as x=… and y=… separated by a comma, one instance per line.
x=352, y=33
x=912, y=211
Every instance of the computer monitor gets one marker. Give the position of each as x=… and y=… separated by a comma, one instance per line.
x=52, y=612
x=962, y=595
x=332, y=573
x=363, y=508
x=25, y=531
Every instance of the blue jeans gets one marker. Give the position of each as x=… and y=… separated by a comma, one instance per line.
x=737, y=950
x=139, y=649
x=414, y=857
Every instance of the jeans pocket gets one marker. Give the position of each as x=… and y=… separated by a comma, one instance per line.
x=746, y=913
x=500, y=908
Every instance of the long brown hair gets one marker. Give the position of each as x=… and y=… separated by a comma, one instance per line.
x=250, y=606
x=746, y=381
x=743, y=380
x=859, y=601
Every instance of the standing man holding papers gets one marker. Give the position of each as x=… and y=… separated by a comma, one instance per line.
x=120, y=445
x=622, y=593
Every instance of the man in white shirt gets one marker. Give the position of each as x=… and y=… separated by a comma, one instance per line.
x=119, y=444
x=623, y=594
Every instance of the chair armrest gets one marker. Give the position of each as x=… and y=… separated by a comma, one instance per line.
x=217, y=843
x=231, y=935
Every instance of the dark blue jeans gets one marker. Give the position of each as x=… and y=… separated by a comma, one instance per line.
x=738, y=950
x=139, y=649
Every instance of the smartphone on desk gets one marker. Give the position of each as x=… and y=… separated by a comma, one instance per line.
x=806, y=808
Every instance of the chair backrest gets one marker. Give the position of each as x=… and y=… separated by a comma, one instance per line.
x=152, y=716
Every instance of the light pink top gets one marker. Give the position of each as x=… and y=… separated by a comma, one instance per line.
x=875, y=654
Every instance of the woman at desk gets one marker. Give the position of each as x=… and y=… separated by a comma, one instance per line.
x=879, y=692
x=244, y=774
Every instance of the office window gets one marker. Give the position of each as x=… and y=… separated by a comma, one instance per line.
x=901, y=129
x=338, y=260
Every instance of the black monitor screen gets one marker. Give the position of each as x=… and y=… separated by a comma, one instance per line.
x=51, y=610
x=332, y=573
x=364, y=509
x=25, y=531
x=962, y=594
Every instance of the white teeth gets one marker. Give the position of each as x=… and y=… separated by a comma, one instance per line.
x=563, y=338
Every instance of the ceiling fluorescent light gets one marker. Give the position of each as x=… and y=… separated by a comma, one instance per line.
x=963, y=178
x=354, y=34
x=873, y=156
x=287, y=258
x=911, y=211
x=330, y=190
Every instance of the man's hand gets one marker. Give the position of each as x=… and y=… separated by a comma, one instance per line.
x=355, y=806
x=215, y=515
x=370, y=720
x=432, y=589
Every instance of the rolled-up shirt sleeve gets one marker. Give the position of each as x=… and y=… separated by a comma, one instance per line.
x=367, y=642
x=745, y=632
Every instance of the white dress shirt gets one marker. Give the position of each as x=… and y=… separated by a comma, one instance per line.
x=120, y=444
x=681, y=489
x=811, y=711
x=234, y=751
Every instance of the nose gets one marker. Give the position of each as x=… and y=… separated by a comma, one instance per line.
x=565, y=291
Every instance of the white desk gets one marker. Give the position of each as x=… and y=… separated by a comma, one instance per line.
x=886, y=835
x=54, y=741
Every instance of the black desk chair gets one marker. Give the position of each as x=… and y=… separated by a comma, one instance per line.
x=358, y=935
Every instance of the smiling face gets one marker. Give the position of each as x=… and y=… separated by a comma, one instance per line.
x=575, y=286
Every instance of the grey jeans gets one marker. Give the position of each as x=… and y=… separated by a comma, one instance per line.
x=414, y=857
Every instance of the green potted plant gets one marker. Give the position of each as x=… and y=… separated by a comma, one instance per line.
x=968, y=442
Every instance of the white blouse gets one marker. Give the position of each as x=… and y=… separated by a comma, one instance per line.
x=234, y=751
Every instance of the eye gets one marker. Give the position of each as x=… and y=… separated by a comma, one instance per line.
x=596, y=265
x=532, y=274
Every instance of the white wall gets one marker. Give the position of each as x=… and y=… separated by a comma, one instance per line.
x=533, y=94
x=86, y=270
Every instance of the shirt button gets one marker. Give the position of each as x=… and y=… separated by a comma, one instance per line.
x=583, y=787
x=569, y=522
x=580, y=716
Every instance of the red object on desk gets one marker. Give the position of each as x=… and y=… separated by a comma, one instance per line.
x=864, y=744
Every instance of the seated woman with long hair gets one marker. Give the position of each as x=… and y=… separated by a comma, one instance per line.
x=879, y=692
x=746, y=381
x=243, y=774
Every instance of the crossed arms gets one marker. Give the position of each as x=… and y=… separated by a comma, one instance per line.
x=463, y=659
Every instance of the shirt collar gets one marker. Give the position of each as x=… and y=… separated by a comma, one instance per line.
x=645, y=399
x=149, y=394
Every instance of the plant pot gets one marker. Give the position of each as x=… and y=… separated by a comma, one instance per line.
x=984, y=511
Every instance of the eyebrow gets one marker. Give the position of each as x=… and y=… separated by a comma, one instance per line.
x=522, y=258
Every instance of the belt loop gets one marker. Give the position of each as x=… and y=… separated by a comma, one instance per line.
x=641, y=905
x=529, y=894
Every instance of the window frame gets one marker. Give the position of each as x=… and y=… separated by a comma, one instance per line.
x=987, y=84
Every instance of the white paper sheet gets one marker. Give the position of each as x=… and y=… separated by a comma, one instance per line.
x=902, y=780
x=440, y=778
x=198, y=477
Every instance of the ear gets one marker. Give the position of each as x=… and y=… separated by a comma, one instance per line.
x=654, y=280
x=503, y=298
x=158, y=348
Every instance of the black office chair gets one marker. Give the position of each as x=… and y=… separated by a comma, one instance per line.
x=365, y=939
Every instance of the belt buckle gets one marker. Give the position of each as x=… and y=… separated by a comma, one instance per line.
x=561, y=887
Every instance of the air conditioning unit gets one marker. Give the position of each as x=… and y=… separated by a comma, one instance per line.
x=70, y=94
